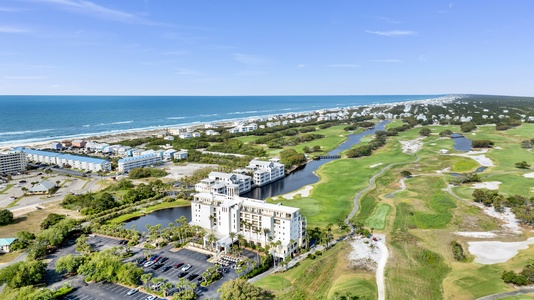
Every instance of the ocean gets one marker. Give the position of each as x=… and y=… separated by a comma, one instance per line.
x=27, y=119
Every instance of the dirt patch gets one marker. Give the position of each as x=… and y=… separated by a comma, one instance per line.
x=179, y=171
x=412, y=146
x=529, y=175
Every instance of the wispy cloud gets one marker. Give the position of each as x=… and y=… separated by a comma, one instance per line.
x=388, y=60
x=10, y=29
x=25, y=77
x=249, y=59
x=393, y=33
x=343, y=66
x=95, y=10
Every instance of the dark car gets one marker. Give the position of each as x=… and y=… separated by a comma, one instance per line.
x=163, y=259
x=157, y=266
x=141, y=261
x=176, y=266
x=182, y=274
x=192, y=276
x=166, y=268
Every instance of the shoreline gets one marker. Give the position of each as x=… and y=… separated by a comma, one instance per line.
x=120, y=135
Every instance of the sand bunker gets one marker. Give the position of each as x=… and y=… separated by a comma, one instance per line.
x=375, y=165
x=490, y=185
x=412, y=146
x=477, y=234
x=508, y=218
x=493, y=252
x=480, y=158
x=529, y=175
x=304, y=192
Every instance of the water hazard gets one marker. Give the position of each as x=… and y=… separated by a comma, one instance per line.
x=293, y=181
x=461, y=143
x=306, y=175
x=163, y=217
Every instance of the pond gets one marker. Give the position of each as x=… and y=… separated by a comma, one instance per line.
x=305, y=175
x=163, y=217
x=292, y=182
x=461, y=143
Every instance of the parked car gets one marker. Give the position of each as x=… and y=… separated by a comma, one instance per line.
x=166, y=268
x=141, y=261
x=163, y=259
x=148, y=264
x=186, y=267
x=157, y=286
x=151, y=297
x=182, y=274
x=192, y=276
x=157, y=266
x=133, y=291
x=176, y=266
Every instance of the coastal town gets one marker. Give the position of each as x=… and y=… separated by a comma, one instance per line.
x=258, y=239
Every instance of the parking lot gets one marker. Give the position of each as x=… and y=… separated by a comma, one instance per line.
x=92, y=291
x=104, y=291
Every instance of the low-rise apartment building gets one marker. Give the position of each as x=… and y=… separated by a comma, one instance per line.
x=128, y=163
x=74, y=161
x=225, y=183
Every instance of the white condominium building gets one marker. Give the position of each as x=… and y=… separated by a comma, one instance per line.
x=128, y=163
x=11, y=163
x=264, y=172
x=77, y=162
x=259, y=222
x=236, y=184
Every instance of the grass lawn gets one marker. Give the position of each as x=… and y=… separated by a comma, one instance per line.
x=7, y=257
x=332, y=197
x=321, y=278
x=7, y=188
x=149, y=209
x=378, y=219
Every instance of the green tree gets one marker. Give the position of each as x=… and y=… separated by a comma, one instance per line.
x=425, y=132
x=522, y=165
x=406, y=174
x=69, y=263
x=6, y=217
x=23, y=273
x=445, y=133
x=241, y=289
x=51, y=220
x=129, y=274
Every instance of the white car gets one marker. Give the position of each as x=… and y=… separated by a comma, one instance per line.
x=186, y=267
x=152, y=297
x=149, y=263
x=131, y=292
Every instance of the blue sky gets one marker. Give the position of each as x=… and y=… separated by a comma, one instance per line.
x=172, y=47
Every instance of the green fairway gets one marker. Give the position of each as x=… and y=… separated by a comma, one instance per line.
x=378, y=218
x=147, y=210
x=332, y=197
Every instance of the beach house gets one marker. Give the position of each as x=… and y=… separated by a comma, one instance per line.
x=144, y=160
x=5, y=243
x=43, y=187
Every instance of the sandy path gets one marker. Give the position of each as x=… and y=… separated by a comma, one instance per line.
x=381, y=267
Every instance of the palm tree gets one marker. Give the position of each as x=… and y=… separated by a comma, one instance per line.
x=145, y=278
x=266, y=231
x=211, y=239
x=165, y=287
x=257, y=232
x=232, y=236
x=212, y=222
